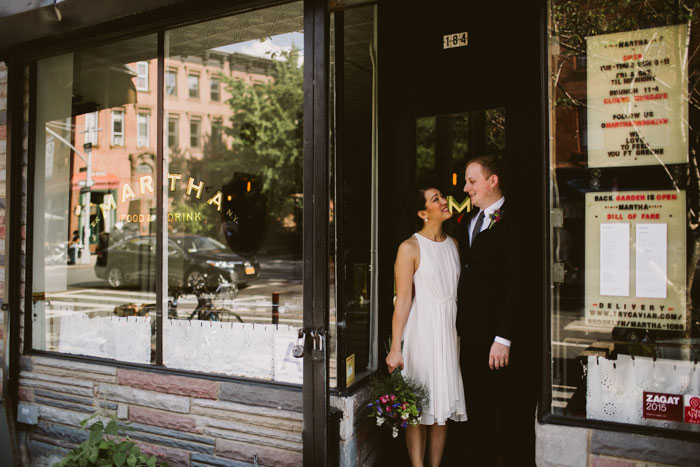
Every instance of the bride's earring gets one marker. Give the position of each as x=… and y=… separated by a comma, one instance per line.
x=425, y=220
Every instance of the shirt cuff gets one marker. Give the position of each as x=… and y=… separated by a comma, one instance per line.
x=503, y=341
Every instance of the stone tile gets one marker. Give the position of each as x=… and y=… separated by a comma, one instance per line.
x=265, y=412
x=210, y=417
x=145, y=398
x=173, y=457
x=265, y=455
x=88, y=392
x=59, y=415
x=74, y=373
x=156, y=430
x=645, y=448
x=170, y=442
x=603, y=461
x=26, y=394
x=64, y=405
x=561, y=446
x=171, y=384
x=236, y=424
x=41, y=453
x=74, y=435
x=73, y=365
x=64, y=397
x=204, y=460
x=264, y=396
x=250, y=438
x=56, y=379
x=162, y=419
x=25, y=363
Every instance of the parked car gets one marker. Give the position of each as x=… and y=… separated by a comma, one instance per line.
x=193, y=261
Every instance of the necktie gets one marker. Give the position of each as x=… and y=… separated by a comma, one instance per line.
x=477, y=226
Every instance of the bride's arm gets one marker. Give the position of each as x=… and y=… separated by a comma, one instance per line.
x=404, y=268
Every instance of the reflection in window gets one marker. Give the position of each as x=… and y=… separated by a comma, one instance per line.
x=195, y=130
x=91, y=128
x=235, y=210
x=193, y=85
x=89, y=204
x=142, y=76
x=117, y=128
x=624, y=204
x=143, y=130
x=171, y=83
x=214, y=89
x=173, y=123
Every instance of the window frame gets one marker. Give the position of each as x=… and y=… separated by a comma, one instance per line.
x=142, y=73
x=212, y=87
x=198, y=134
x=170, y=72
x=114, y=134
x=190, y=81
x=143, y=141
x=92, y=137
x=176, y=134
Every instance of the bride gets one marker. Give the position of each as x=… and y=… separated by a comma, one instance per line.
x=424, y=336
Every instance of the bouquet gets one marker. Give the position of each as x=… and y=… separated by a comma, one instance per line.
x=397, y=401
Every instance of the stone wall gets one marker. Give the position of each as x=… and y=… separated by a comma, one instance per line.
x=563, y=446
x=182, y=420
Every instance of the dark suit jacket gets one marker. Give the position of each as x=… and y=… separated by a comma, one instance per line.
x=484, y=311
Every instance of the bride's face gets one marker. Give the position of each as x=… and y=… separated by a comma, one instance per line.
x=436, y=205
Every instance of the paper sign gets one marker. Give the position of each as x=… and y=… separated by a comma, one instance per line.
x=635, y=270
x=651, y=260
x=615, y=259
x=692, y=409
x=661, y=406
x=637, y=97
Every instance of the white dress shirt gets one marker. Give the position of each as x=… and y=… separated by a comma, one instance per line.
x=488, y=212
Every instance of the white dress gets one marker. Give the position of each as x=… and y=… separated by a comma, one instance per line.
x=430, y=344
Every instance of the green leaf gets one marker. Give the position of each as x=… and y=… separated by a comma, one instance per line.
x=119, y=458
x=112, y=427
x=131, y=460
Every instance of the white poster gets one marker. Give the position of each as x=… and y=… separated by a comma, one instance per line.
x=615, y=260
x=637, y=102
x=651, y=260
x=635, y=269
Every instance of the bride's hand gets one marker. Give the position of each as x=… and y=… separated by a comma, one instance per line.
x=394, y=360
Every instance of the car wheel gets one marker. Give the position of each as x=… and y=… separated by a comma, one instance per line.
x=195, y=279
x=115, y=277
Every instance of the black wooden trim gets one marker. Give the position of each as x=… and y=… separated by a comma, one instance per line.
x=164, y=370
x=161, y=282
x=621, y=427
x=31, y=35
x=13, y=219
x=29, y=219
x=338, y=167
x=545, y=401
x=316, y=254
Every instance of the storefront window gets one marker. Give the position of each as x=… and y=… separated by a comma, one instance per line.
x=625, y=201
x=93, y=264
x=235, y=207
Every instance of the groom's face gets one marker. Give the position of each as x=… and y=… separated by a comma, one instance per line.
x=480, y=187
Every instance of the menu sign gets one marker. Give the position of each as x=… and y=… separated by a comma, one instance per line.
x=638, y=97
x=635, y=260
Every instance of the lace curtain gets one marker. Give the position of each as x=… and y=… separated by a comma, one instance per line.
x=262, y=351
x=616, y=387
x=124, y=339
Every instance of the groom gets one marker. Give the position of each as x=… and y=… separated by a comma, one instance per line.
x=500, y=408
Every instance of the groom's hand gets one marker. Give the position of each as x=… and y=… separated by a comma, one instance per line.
x=498, y=357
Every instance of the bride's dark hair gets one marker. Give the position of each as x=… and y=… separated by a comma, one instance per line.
x=418, y=204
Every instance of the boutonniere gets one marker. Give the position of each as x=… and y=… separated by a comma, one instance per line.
x=496, y=217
